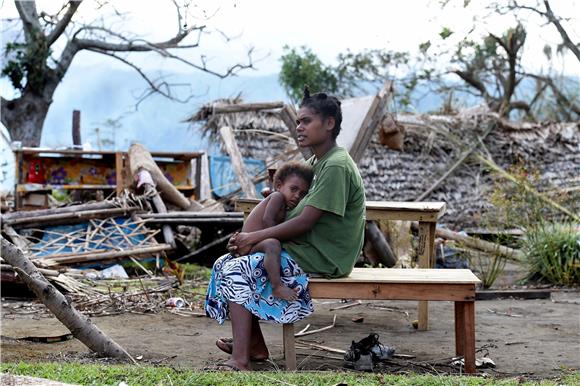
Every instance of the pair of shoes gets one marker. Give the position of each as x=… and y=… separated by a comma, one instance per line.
x=364, y=353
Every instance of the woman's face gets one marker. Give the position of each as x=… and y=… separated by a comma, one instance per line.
x=312, y=129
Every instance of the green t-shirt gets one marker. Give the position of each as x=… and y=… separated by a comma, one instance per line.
x=334, y=244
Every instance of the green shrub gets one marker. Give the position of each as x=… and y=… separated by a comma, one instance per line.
x=553, y=253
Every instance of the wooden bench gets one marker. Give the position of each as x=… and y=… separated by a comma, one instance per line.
x=426, y=213
x=456, y=285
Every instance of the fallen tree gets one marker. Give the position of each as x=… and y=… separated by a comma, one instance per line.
x=79, y=325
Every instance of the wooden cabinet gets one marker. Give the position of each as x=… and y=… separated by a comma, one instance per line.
x=39, y=172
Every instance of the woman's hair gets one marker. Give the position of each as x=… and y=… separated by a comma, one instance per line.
x=325, y=105
x=296, y=168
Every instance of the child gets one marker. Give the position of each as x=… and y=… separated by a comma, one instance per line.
x=291, y=183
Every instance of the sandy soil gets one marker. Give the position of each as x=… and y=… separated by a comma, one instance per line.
x=540, y=339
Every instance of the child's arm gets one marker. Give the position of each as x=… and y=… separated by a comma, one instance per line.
x=276, y=203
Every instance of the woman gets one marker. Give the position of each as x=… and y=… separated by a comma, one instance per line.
x=323, y=235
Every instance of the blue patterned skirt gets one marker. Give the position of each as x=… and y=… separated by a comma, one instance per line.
x=244, y=280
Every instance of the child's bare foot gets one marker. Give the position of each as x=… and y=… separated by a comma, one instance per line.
x=285, y=293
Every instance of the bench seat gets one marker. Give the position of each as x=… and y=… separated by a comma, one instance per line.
x=456, y=285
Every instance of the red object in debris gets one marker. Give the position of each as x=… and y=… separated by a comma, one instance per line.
x=36, y=172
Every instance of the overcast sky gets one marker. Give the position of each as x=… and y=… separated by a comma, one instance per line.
x=327, y=27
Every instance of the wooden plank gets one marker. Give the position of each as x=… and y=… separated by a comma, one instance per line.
x=193, y=215
x=119, y=173
x=404, y=215
x=544, y=293
x=374, y=118
x=469, y=336
x=393, y=291
x=380, y=210
x=289, y=346
x=20, y=222
x=237, y=162
x=106, y=255
x=459, y=329
x=426, y=253
x=204, y=181
x=357, y=114
x=404, y=276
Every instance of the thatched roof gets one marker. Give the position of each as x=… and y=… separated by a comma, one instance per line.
x=431, y=145
x=260, y=134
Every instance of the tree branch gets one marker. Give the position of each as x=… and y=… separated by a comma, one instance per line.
x=29, y=17
x=64, y=22
x=567, y=41
x=132, y=45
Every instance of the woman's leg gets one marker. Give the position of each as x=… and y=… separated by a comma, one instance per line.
x=242, y=335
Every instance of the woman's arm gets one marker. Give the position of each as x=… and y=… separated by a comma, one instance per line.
x=284, y=231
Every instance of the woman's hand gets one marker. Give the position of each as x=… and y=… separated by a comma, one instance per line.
x=240, y=244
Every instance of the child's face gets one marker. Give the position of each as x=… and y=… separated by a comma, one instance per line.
x=293, y=189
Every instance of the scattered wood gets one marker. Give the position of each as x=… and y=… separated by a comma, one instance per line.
x=78, y=324
x=201, y=250
x=320, y=347
x=237, y=162
x=305, y=331
x=36, y=220
x=509, y=313
x=106, y=255
x=141, y=159
x=60, y=210
x=357, y=303
x=462, y=157
x=513, y=294
x=146, y=180
x=486, y=246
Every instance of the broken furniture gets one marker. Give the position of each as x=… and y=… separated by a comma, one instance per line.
x=39, y=171
x=456, y=285
x=426, y=213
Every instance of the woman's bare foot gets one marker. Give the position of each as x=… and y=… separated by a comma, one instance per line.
x=257, y=354
x=231, y=365
x=285, y=293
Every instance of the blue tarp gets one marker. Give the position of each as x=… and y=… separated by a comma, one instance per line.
x=224, y=179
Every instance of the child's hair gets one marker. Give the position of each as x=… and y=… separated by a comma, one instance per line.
x=325, y=105
x=299, y=169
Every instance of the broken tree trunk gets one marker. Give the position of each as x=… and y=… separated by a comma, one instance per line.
x=380, y=244
x=237, y=162
x=79, y=325
x=141, y=159
x=473, y=242
x=145, y=179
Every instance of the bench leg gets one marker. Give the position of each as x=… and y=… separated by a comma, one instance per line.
x=469, y=336
x=289, y=348
x=426, y=253
x=465, y=334
x=459, y=329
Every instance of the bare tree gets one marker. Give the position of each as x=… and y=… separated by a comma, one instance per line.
x=551, y=18
x=34, y=71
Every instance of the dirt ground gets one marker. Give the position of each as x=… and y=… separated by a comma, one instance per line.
x=540, y=339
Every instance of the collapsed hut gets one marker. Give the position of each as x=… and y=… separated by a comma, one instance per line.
x=427, y=157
